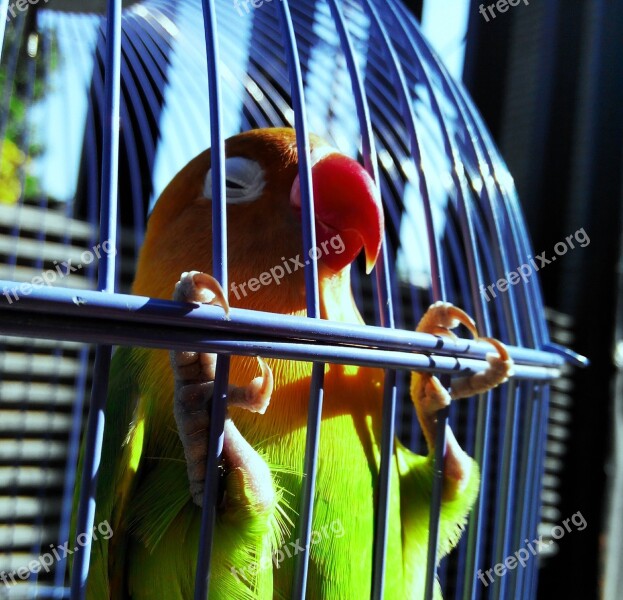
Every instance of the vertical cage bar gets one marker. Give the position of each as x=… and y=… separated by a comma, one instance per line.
x=487, y=156
x=437, y=282
x=521, y=328
x=543, y=395
x=314, y=416
x=528, y=467
x=513, y=230
x=383, y=486
x=510, y=310
x=304, y=151
x=92, y=458
x=437, y=277
x=106, y=282
x=73, y=452
x=219, y=267
x=505, y=497
x=385, y=308
x=510, y=453
x=4, y=12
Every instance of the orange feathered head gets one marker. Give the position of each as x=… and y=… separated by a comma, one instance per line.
x=265, y=247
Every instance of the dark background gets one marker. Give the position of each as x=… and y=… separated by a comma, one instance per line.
x=548, y=80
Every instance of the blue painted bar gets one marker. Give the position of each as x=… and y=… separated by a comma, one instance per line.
x=438, y=290
x=571, y=357
x=180, y=338
x=106, y=283
x=484, y=154
x=476, y=533
x=531, y=426
x=219, y=271
x=384, y=306
x=475, y=276
x=311, y=294
x=510, y=309
x=73, y=447
x=73, y=452
x=304, y=150
x=4, y=7
x=504, y=513
x=215, y=449
x=383, y=486
x=535, y=511
x=126, y=309
x=92, y=458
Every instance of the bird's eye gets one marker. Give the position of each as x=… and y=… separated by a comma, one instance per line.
x=244, y=180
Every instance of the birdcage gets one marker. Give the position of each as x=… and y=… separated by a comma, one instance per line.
x=99, y=111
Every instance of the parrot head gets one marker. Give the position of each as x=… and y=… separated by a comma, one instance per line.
x=265, y=242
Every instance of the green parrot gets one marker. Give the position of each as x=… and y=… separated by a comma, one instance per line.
x=152, y=473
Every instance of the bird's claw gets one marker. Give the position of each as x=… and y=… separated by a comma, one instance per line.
x=499, y=370
x=255, y=396
x=195, y=286
x=442, y=317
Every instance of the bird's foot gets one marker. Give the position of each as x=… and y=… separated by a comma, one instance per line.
x=247, y=477
x=429, y=396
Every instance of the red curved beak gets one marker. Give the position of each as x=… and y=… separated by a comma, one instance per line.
x=348, y=210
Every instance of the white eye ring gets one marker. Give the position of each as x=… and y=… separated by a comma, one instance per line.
x=244, y=180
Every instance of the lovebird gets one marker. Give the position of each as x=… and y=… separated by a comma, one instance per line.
x=152, y=475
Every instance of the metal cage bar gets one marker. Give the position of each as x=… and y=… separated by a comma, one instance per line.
x=316, y=392
x=438, y=286
x=4, y=10
x=384, y=306
x=219, y=266
x=106, y=283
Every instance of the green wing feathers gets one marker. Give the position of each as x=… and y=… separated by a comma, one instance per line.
x=144, y=496
x=416, y=482
x=120, y=451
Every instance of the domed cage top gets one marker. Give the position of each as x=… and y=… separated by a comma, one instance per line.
x=182, y=76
